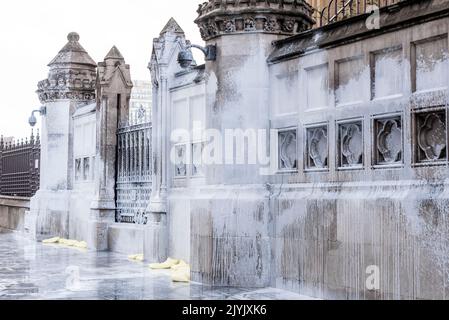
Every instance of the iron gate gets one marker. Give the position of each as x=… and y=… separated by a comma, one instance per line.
x=133, y=173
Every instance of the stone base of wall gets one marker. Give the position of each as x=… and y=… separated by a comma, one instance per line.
x=126, y=239
x=12, y=212
x=230, y=243
x=49, y=215
x=324, y=240
x=328, y=238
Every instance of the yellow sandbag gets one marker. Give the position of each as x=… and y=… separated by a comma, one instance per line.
x=165, y=265
x=52, y=240
x=180, y=265
x=81, y=244
x=136, y=257
x=140, y=258
x=67, y=242
x=181, y=275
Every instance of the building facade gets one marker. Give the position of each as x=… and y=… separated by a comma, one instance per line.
x=85, y=103
x=357, y=173
x=140, y=103
x=301, y=158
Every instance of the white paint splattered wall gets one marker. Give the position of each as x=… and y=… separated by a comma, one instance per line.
x=390, y=209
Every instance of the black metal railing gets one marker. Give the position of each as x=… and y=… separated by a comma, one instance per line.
x=19, y=167
x=338, y=10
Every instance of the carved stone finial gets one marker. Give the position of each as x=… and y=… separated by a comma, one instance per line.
x=73, y=37
x=72, y=74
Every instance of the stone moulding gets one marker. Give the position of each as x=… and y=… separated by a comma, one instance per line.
x=67, y=87
x=51, y=96
x=284, y=17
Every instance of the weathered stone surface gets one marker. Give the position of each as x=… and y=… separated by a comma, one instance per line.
x=369, y=186
x=72, y=74
x=79, y=143
x=12, y=212
x=90, y=275
x=360, y=174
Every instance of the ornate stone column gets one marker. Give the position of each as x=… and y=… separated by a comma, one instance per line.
x=70, y=83
x=113, y=93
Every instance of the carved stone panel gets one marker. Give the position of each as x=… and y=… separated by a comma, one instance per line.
x=351, y=81
x=351, y=144
x=317, y=148
x=287, y=152
x=431, y=64
x=197, y=159
x=317, y=87
x=180, y=161
x=388, y=141
x=86, y=169
x=78, y=169
x=387, y=73
x=430, y=136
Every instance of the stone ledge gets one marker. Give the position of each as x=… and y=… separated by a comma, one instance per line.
x=17, y=202
x=404, y=15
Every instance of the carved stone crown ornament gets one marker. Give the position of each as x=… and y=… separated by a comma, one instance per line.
x=283, y=17
x=72, y=75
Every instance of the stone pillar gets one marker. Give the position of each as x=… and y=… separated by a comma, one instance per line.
x=113, y=93
x=156, y=233
x=231, y=217
x=165, y=50
x=70, y=83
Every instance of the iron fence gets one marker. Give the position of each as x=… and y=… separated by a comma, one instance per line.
x=19, y=167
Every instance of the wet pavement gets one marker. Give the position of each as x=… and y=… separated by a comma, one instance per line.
x=30, y=270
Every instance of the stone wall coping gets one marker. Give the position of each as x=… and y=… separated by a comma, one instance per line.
x=18, y=202
x=398, y=16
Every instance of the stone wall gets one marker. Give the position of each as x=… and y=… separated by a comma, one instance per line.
x=369, y=121
x=358, y=176
x=12, y=212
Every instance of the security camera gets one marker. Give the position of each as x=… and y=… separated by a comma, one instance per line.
x=32, y=120
x=185, y=57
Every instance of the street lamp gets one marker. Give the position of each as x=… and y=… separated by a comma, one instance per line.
x=185, y=57
x=32, y=119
